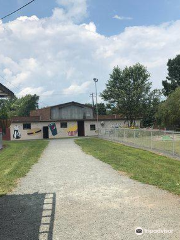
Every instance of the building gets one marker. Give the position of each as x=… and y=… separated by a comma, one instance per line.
x=64, y=120
x=5, y=92
x=4, y=124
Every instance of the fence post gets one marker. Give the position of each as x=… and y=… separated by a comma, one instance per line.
x=124, y=135
x=173, y=144
x=151, y=139
x=134, y=136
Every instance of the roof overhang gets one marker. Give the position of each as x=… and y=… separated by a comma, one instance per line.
x=5, y=92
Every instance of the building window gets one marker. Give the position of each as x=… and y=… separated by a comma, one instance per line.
x=26, y=126
x=63, y=124
x=92, y=127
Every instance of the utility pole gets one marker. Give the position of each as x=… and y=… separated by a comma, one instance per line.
x=92, y=95
x=95, y=81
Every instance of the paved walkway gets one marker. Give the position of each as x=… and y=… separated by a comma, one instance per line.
x=69, y=195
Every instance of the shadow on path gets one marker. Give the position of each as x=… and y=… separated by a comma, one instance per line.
x=29, y=216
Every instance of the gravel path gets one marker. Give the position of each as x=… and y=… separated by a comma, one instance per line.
x=69, y=195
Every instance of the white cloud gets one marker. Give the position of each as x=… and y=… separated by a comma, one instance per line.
x=74, y=9
x=122, y=18
x=58, y=58
x=90, y=27
x=77, y=89
x=38, y=91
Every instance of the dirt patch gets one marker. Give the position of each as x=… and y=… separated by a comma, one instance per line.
x=124, y=174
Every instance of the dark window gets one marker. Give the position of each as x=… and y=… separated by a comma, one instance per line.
x=92, y=127
x=26, y=126
x=63, y=124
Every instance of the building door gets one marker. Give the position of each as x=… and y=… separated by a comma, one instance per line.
x=45, y=132
x=81, y=128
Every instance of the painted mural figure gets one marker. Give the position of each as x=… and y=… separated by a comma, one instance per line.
x=34, y=131
x=72, y=131
x=117, y=125
x=17, y=134
x=53, y=128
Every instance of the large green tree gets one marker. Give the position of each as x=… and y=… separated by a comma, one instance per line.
x=168, y=114
x=150, y=107
x=18, y=106
x=173, y=79
x=25, y=104
x=127, y=90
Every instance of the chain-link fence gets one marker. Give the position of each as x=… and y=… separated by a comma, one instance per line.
x=0, y=140
x=162, y=141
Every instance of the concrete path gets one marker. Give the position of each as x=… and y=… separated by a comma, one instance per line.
x=69, y=195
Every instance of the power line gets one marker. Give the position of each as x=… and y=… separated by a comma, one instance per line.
x=9, y=82
x=17, y=10
x=43, y=95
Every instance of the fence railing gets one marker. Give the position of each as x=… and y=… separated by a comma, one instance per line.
x=0, y=140
x=167, y=142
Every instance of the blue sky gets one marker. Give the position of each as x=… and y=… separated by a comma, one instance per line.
x=55, y=48
x=101, y=12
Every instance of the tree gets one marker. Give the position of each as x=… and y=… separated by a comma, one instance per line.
x=18, y=106
x=151, y=107
x=173, y=79
x=101, y=108
x=127, y=90
x=24, y=105
x=168, y=114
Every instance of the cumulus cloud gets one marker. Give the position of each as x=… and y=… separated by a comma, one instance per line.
x=122, y=18
x=38, y=91
x=77, y=89
x=73, y=9
x=57, y=57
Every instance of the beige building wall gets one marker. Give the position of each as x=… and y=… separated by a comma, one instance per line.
x=89, y=132
x=115, y=124
x=105, y=124
x=37, y=129
x=70, y=131
x=24, y=133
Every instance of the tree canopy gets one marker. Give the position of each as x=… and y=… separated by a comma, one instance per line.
x=150, y=108
x=168, y=114
x=128, y=90
x=18, y=106
x=173, y=79
x=101, y=108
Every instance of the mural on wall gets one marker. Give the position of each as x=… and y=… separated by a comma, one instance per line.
x=72, y=131
x=16, y=134
x=34, y=131
x=53, y=128
x=102, y=124
x=117, y=125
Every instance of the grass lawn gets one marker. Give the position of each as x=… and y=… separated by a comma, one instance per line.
x=140, y=165
x=16, y=159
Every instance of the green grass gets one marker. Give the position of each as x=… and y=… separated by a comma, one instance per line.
x=141, y=165
x=165, y=146
x=16, y=159
x=162, y=144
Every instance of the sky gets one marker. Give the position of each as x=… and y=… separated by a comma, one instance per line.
x=55, y=48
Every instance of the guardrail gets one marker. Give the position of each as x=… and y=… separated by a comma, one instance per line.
x=167, y=142
x=1, y=140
